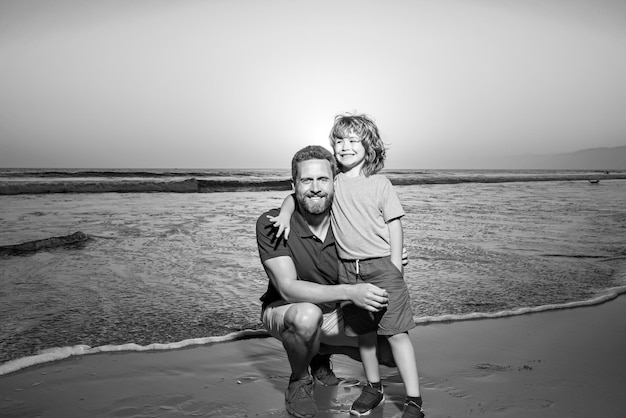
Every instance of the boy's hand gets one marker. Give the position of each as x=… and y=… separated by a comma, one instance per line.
x=405, y=256
x=282, y=223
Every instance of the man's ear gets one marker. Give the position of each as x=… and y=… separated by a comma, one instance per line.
x=293, y=187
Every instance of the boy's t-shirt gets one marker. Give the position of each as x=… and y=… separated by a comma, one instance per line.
x=361, y=209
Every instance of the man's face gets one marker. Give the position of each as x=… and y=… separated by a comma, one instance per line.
x=314, y=186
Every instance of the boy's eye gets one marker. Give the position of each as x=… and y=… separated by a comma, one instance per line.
x=351, y=141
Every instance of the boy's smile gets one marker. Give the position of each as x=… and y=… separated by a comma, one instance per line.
x=349, y=152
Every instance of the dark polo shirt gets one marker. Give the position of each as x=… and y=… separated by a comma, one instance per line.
x=315, y=261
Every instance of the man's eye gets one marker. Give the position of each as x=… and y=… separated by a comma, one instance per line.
x=305, y=181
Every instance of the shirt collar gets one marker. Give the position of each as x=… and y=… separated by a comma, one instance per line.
x=302, y=228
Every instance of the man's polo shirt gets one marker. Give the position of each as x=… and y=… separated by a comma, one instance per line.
x=315, y=261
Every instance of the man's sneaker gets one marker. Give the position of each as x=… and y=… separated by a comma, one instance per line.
x=412, y=410
x=369, y=399
x=299, y=398
x=322, y=371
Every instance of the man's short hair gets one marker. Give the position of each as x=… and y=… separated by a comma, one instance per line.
x=312, y=152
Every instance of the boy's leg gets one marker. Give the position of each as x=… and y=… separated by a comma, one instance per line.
x=404, y=355
x=334, y=341
x=367, y=348
x=407, y=367
x=372, y=394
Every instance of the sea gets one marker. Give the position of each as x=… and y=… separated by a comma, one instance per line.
x=171, y=258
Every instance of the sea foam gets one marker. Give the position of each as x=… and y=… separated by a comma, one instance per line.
x=55, y=354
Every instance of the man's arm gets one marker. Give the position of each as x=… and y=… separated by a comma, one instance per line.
x=282, y=272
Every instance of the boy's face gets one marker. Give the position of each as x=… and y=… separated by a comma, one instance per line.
x=314, y=186
x=349, y=152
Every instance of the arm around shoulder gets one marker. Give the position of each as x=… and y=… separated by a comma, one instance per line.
x=282, y=221
x=396, y=240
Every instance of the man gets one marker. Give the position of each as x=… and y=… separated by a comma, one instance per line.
x=300, y=307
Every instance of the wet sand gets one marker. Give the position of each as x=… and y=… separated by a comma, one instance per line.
x=551, y=364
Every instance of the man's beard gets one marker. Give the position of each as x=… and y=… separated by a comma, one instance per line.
x=315, y=207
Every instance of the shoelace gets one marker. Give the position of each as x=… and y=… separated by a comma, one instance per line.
x=301, y=391
x=419, y=407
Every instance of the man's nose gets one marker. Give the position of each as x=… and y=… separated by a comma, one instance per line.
x=315, y=186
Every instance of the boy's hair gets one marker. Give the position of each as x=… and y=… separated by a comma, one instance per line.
x=312, y=152
x=365, y=128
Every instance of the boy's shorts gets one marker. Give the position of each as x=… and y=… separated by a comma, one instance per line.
x=397, y=318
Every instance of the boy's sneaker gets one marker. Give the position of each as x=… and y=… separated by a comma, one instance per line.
x=322, y=371
x=299, y=398
x=369, y=399
x=412, y=410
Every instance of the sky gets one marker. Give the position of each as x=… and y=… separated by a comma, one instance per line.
x=246, y=83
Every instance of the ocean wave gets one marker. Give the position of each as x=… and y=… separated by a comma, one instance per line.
x=498, y=178
x=607, y=295
x=26, y=187
x=60, y=353
x=124, y=173
x=191, y=185
x=245, y=182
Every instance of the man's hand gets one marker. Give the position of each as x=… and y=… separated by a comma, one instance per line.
x=370, y=297
x=405, y=256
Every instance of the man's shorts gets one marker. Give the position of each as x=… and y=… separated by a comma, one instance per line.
x=332, y=330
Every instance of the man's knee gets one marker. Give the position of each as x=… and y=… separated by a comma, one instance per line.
x=304, y=318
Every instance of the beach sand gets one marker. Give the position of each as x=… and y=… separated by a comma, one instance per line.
x=564, y=363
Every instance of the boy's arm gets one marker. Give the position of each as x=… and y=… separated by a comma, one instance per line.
x=396, y=239
x=282, y=272
x=282, y=221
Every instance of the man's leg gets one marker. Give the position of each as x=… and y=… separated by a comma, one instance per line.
x=301, y=337
x=297, y=325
